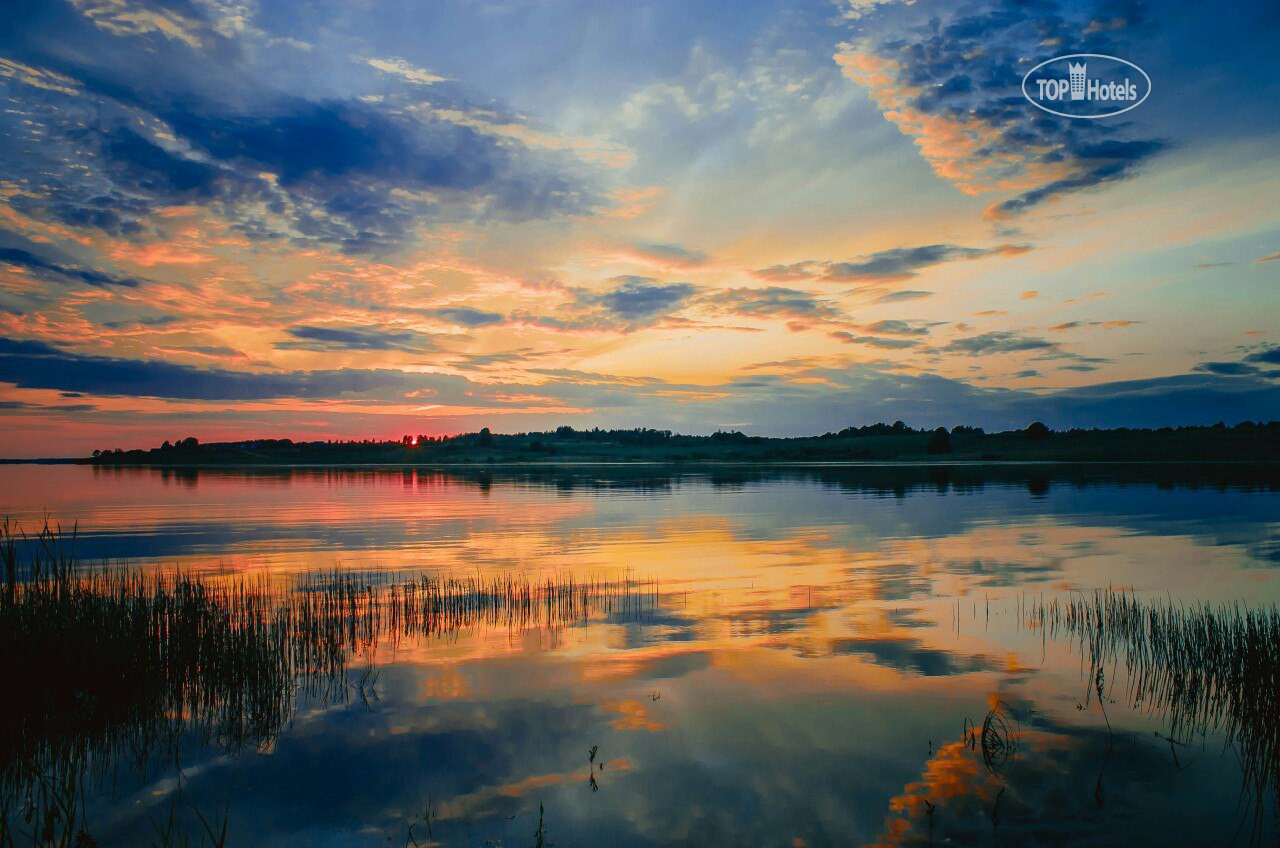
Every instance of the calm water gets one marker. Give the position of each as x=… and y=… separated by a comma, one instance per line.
x=810, y=651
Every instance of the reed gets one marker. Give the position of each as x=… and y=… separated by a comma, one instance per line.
x=1201, y=667
x=121, y=664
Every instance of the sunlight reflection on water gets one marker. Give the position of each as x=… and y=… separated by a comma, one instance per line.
x=819, y=638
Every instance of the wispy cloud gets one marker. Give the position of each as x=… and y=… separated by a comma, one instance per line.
x=51, y=270
x=900, y=263
x=994, y=342
x=354, y=338
x=406, y=71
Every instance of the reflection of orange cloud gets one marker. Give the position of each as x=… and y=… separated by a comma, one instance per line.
x=634, y=663
x=955, y=771
x=446, y=684
x=633, y=715
x=956, y=779
x=481, y=803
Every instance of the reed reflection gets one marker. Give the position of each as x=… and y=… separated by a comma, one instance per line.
x=1202, y=669
x=1208, y=676
x=122, y=667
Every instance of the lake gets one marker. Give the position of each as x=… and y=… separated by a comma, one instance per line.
x=1006, y=655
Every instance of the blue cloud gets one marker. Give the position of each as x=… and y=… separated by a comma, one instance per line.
x=466, y=316
x=899, y=263
x=906, y=294
x=777, y=302
x=640, y=298
x=904, y=262
x=354, y=338
x=47, y=269
x=873, y=341
x=831, y=398
x=985, y=344
x=963, y=64
x=36, y=365
x=897, y=327
x=361, y=174
x=1230, y=369
x=1269, y=354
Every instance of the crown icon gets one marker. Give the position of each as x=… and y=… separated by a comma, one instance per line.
x=1077, y=80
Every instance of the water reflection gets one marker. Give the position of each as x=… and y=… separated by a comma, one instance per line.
x=1206, y=677
x=817, y=666
x=163, y=661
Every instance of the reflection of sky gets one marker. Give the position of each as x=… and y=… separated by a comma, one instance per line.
x=992, y=535
x=804, y=680
x=752, y=746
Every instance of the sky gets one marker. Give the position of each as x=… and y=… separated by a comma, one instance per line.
x=341, y=219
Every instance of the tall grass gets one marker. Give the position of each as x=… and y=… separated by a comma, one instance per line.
x=115, y=665
x=1204, y=668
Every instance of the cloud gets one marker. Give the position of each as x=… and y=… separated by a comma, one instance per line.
x=133, y=17
x=905, y=262
x=894, y=327
x=402, y=69
x=638, y=298
x=776, y=302
x=900, y=263
x=359, y=167
x=873, y=341
x=630, y=303
x=1250, y=365
x=1184, y=399
x=465, y=316
x=1230, y=369
x=948, y=80
x=1095, y=165
x=1269, y=354
x=38, y=77
x=354, y=338
x=23, y=406
x=997, y=342
x=1076, y=325
x=46, y=269
x=1247, y=366
x=362, y=175
x=821, y=395
x=899, y=296
x=670, y=256
x=140, y=323
x=35, y=365
x=1275, y=257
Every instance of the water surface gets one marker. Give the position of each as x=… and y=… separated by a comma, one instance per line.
x=811, y=661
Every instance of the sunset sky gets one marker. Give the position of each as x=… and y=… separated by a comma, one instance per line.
x=340, y=219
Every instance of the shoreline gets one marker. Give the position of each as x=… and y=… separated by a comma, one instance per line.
x=645, y=463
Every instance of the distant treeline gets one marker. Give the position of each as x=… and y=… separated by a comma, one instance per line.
x=1246, y=441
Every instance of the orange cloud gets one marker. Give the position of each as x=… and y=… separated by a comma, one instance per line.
x=958, y=149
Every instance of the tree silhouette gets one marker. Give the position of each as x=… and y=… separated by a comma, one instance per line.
x=939, y=442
